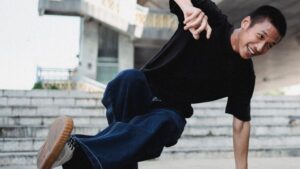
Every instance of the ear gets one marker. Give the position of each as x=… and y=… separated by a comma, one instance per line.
x=245, y=23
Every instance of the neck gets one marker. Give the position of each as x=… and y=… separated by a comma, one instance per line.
x=234, y=39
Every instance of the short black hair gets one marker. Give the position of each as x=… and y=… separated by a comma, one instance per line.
x=271, y=13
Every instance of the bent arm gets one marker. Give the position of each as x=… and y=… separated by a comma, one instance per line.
x=241, y=135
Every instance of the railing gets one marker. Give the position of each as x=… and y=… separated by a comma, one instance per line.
x=54, y=74
x=55, y=78
x=88, y=84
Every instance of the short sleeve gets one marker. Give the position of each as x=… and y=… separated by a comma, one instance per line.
x=239, y=99
x=212, y=11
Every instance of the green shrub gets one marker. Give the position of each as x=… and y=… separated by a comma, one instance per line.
x=38, y=85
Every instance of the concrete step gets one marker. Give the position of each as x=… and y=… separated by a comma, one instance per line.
x=225, y=119
x=49, y=94
x=213, y=112
x=191, y=130
x=209, y=143
x=47, y=120
x=82, y=94
x=42, y=131
x=92, y=102
x=14, y=111
x=65, y=98
x=27, y=160
x=100, y=110
x=275, y=98
x=22, y=167
x=226, y=130
x=82, y=119
x=257, y=153
x=224, y=143
x=254, y=104
x=49, y=101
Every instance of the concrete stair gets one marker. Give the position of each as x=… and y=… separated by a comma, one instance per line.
x=26, y=115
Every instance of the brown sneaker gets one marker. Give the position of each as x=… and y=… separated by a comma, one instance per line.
x=59, y=133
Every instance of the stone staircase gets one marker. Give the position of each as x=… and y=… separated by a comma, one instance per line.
x=25, y=116
x=275, y=130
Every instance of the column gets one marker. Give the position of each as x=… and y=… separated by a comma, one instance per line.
x=125, y=52
x=88, y=48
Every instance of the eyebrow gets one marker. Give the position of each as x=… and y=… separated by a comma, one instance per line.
x=266, y=34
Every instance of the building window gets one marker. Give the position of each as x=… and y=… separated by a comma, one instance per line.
x=107, y=65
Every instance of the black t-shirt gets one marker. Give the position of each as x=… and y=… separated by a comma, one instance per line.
x=187, y=71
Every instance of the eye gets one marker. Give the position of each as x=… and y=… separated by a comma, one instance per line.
x=260, y=36
x=270, y=45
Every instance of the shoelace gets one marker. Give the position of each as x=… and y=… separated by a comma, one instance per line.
x=66, y=153
x=72, y=143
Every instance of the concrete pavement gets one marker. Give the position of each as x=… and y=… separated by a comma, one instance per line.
x=194, y=163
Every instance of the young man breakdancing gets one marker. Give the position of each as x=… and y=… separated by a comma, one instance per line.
x=206, y=59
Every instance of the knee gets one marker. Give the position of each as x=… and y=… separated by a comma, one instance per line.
x=130, y=76
x=173, y=126
x=125, y=77
x=171, y=122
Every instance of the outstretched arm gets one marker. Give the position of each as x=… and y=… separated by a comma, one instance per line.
x=195, y=19
x=241, y=135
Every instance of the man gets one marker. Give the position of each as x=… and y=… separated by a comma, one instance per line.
x=146, y=109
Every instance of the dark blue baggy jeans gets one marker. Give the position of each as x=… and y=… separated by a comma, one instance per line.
x=137, y=131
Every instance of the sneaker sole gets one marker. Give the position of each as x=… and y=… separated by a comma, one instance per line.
x=59, y=133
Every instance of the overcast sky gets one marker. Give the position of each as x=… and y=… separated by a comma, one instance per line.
x=28, y=40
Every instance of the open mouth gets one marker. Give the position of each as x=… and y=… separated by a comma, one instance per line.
x=250, y=51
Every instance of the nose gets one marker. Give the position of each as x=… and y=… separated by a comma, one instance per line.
x=259, y=47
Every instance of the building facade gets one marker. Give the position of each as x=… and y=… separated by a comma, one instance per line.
x=117, y=35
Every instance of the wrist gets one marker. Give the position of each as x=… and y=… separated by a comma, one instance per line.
x=184, y=4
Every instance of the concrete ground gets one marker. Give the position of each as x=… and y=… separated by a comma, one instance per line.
x=194, y=163
x=254, y=163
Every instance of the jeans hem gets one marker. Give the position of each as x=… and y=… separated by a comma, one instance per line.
x=93, y=160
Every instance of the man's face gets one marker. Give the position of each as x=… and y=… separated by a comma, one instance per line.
x=256, y=39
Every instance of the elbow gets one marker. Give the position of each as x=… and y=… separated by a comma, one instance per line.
x=239, y=125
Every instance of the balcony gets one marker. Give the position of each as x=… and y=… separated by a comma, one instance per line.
x=138, y=23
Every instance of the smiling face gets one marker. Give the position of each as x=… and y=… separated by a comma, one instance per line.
x=256, y=39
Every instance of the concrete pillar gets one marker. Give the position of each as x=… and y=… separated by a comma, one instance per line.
x=279, y=67
x=125, y=52
x=88, y=48
x=127, y=10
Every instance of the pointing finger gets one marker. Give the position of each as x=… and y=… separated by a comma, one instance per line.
x=208, y=31
x=191, y=17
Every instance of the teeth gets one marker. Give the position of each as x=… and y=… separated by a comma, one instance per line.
x=251, y=51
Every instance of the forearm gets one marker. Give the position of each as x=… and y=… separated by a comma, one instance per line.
x=241, y=135
x=183, y=4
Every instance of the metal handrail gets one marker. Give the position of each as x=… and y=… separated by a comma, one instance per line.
x=54, y=74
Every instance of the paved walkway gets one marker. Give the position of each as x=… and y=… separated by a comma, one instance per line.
x=254, y=163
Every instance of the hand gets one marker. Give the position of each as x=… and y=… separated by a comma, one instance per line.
x=196, y=21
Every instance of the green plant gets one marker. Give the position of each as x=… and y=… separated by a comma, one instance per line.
x=38, y=85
